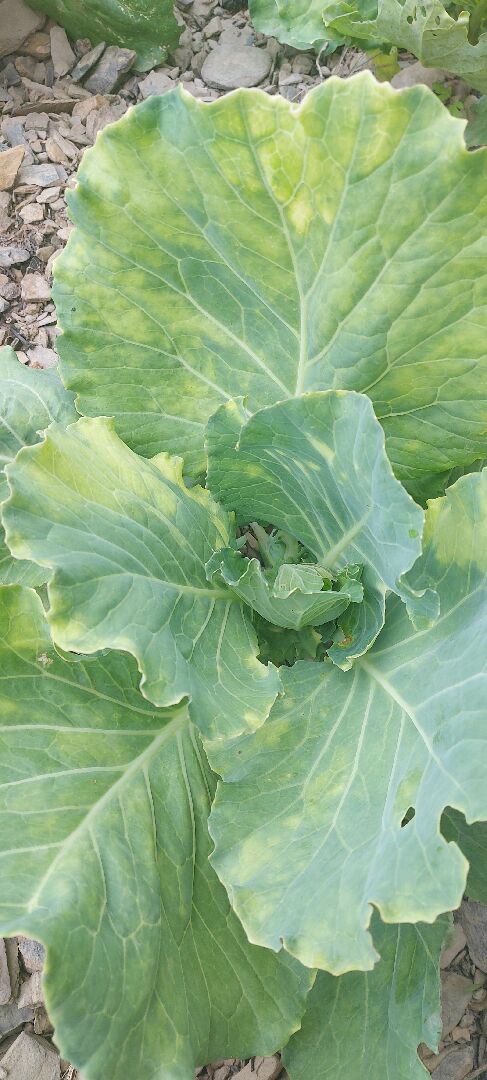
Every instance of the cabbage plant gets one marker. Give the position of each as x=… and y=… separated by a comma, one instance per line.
x=244, y=595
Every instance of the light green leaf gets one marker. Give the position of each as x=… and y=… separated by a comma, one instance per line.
x=472, y=840
x=282, y=646
x=378, y=1018
x=128, y=543
x=29, y=401
x=309, y=823
x=104, y=857
x=148, y=26
x=476, y=129
x=425, y=29
x=254, y=248
x=294, y=22
x=316, y=467
x=293, y=607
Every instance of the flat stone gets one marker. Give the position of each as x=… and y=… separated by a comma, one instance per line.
x=12, y=1018
x=261, y=1068
x=456, y=992
x=417, y=75
x=13, y=255
x=10, y=163
x=473, y=917
x=62, y=55
x=5, y=988
x=42, y=175
x=155, y=83
x=455, y=1066
x=31, y=991
x=227, y=67
x=455, y=942
x=31, y=1058
x=86, y=62
x=17, y=22
x=42, y=358
x=32, y=952
x=35, y=288
x=110, y=69
x=57, y=105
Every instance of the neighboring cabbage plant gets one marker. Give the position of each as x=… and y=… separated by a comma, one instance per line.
x=243, y=587
x=148, y=26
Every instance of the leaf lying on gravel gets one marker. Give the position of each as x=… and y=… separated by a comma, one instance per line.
x=148, y=26
x=129, y=543
x=312, y=816
x=338, y=245
x=104, y=858
x=376, y=1018
x=29, y=401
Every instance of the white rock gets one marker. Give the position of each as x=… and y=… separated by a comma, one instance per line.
x=34, y=287
x=32, y=953
x=62, y=55
x=228, y=67
x=155, y=83
x=17, y=21
x=31, y=1058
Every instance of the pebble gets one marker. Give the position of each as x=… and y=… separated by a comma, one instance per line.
x=35, y=287
x=110, y=69
x=17, y=22
x=13, y=255
x=31, y=1058
x=5, y=988
x=33, y=954
x=38, y=45
x=415, y=75
x=473, y=917
x=41, y=357
x=87, y=61
x=455, y=1066
x=155, y=83
x=31, y=991
x=228, y=67
x=62, y=55
x=42, y=175
x=10, y=163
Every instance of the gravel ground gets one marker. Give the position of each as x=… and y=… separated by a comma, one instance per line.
x=55, y=95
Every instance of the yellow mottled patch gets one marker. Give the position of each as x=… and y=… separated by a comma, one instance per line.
x=301, y=211
x=323, y=449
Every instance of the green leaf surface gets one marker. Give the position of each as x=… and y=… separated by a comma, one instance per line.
x=294, y=22
x=282, y=646
x=254, y=248
x=476, y=129
x=424, y=29
x=294, y=608
x=316, y=467
x=374, y=1020
x=104, y=858
x=128, y=543
x=29, y=401
x=148, y=26
x=309, y=827
x=472, y=839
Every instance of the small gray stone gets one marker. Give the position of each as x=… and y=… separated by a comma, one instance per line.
x=455, y=1066
x=35, y=288
x=10, y=163
x=42, y=175
x=456, y=992
x=32, y=952
x=228, y=67
x=31, y=1058
x=417, y=75
x=17, y=22
x=13, y=255
x=110, y=69
x=155, y=83
x=12, y=1018
x=62, y=55
x=473, y=917
x=5, y=988
x=31, y=991
x=87, y=61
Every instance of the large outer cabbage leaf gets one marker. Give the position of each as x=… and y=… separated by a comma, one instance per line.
x=104, y=857
x=129, y=543
x=253, y=248
x=310, y=829
x=423, y=28
x=316, y=467
x=29, y=401
x=148, y=26
x=376, y=1018
x=297, y=22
